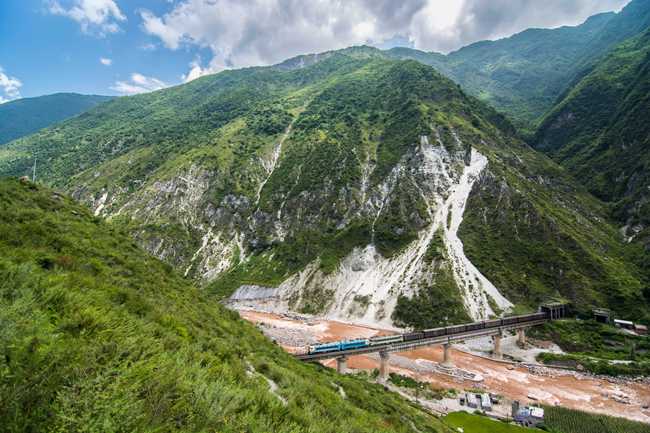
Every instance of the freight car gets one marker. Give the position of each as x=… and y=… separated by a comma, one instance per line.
x=436, y=332
x=413, y=336
x=486, y=324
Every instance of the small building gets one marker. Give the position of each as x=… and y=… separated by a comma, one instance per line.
x=602, y=315
x=554, y=310
x=486, y=402
x=514, y=408
x=530, y=416
x=471, y=400
x=640, y=329
x=625, y=324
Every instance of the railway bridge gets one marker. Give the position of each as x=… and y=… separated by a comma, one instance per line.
x=438, y=336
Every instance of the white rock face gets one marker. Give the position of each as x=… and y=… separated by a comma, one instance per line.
x=100, y=203
x=270, y=164
x=366, y=285
x=475, y=286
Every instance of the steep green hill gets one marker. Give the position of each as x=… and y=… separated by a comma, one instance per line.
x=600, y=131
x=26, y=116
x=524, y=74
x=336, y=184
x=97, y=336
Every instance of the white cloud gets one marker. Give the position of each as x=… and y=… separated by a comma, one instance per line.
x=479, y=19
x=138, y=84
x=254, y=32
x=196, y=71
x=9, y=87
x=243, y=33
x=147, y=47
x=94, y=16
x=106, y=62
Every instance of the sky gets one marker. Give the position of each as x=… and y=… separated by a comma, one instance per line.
x=123, y=47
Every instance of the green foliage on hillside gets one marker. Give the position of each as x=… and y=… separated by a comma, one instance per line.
x=591, y=338
x=183, y=161
x=600, y=132
x=97, y=336
x=537, y=237
x=596, y=366
x=435, y=304
x=26, y=116
x=524, y=74
x=594, y=345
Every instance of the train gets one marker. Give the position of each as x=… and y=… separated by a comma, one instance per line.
x=427, y=333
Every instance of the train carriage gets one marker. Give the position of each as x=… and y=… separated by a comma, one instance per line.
x=456, y=329
x=509, y=321
x=413, y=336
x=436, y=332
x=475, y=326
x=385, y=339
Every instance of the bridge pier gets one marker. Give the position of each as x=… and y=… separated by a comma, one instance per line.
x=384, y=358
x=342, y=364
x=521, y=337
x=497, y=347
x=446, y=356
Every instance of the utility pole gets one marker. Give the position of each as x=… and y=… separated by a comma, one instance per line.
x=34, y=170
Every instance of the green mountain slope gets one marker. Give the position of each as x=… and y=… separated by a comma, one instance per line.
x=96, y=335
x=601, y=133
x=26, y=116
x=524, y=74
x=336, y=184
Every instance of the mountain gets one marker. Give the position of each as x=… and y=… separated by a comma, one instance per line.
x=25, y=116
x=600, y=131
x=343, y=184
x=97, y=335
x=524, y=74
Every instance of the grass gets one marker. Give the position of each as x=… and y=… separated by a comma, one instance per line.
x=562, y=420
x=556, y=420
x=471, y=423
x=97, y=336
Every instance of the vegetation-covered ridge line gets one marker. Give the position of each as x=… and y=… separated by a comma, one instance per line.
x=185, y=170
x=524, y=74
x=25, y=116
x=599, y=131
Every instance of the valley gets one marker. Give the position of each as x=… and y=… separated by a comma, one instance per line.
x=337, y=229
x=525, y=380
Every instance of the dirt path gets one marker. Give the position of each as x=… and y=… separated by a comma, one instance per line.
x=553, y=387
